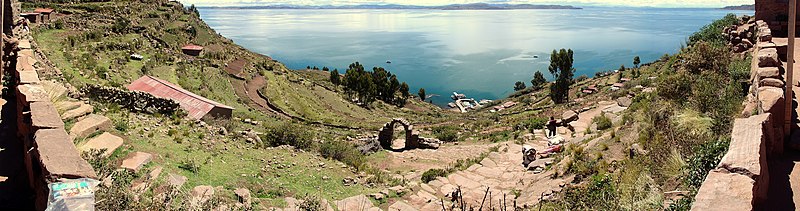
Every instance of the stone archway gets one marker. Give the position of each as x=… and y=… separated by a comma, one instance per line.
x=413, y=140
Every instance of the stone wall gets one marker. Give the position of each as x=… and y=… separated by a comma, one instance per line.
x=134, y=100
x=775, y=13
x=741, y=180
x=52, y=155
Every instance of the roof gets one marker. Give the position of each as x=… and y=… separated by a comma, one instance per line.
x=197, y=106
x=43, y=10
x=192, y=47
x=29, y=13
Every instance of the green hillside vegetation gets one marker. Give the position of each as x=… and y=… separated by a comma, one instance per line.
x=93, y=42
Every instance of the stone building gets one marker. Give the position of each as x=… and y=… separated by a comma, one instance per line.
x=776, y=14
x=192, y=50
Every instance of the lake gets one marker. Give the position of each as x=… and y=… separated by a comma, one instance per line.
x=479, y=53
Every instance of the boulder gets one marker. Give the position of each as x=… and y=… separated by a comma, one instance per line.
x=105, y=142
x=624, y=101
x=765, y=35
x=724, y=191
x=747, y=43
x=243, y=195
x=773, y=82
x=768, y=58
x=136, y=161
x=569, y=116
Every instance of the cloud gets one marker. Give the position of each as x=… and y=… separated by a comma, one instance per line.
x=635, y=3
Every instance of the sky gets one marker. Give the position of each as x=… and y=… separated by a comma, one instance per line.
x=632, y=3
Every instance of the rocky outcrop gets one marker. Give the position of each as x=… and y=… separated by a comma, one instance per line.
x=413, y=138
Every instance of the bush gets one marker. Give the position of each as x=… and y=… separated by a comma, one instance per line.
x=446, y=133
x=432, y=174
x=706, y=157
x=342, y=151
x=288, y=134
x=535, y=123
x=122, y=126
x=713, y=32
x=603, y=122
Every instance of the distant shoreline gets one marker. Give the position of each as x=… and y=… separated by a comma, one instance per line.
x=479, y=6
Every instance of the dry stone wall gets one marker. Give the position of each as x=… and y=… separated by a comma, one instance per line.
x=413, y=139
x=134, y=100
x=741, y=180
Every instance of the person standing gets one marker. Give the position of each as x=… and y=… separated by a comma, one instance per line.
x=551, y=127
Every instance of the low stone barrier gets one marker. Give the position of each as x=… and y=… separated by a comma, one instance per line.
x=134, y=100
x=50, y=154
x=741, y=180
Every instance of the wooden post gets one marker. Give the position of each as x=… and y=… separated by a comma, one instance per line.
x=790, y=69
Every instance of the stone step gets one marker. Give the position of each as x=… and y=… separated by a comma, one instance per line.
x=401, y=206
x=176, y=180
x=106, y=141
x=136, y=161
x=64, y=106
x=89, y=124
x=82, y=110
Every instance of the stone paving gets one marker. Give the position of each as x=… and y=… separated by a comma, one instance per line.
x=90, y=124
x=106, y=141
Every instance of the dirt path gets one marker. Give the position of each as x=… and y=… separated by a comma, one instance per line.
x=251, y=90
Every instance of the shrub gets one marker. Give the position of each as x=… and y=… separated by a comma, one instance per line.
x=288, y=134
x=342, y=151
x=713, y=31
x=602, y=122
x=311, y=203
x=431, y=174
x=446, y=133
x=535, y=123
x=122, y=126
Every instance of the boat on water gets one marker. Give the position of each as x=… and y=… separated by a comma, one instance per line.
x=388, y=61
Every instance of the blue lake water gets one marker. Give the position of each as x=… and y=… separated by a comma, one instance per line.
x=480, y=53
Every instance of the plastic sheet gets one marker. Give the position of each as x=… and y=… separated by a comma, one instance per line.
x=75, y=194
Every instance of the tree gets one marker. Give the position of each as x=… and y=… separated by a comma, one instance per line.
x=636, y=61
x=519, y=86
x=404, y=93
x=335, y=78
x=421, y=94
x=325, y=69
x=622, y=68
x=561, y=68
x=538, y=80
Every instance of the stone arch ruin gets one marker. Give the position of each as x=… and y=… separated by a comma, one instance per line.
x=413, y=139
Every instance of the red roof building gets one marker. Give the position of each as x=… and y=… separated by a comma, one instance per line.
x=46, y=14
x=196, y=106
x=192, y=50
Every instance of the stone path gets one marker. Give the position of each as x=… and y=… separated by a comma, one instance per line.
x=80, y=111
x=136, y=161
x=501, y=172
x=106, y=141
x=90, y=124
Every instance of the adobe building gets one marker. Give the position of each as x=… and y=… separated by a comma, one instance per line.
x=776, y=14
x=192, y=50
x=46, y=14
x=196, y=106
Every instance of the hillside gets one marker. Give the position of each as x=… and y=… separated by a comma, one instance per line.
x=643, y=139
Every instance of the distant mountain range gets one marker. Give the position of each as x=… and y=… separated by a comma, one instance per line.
x=741, y=7
x=475, y=6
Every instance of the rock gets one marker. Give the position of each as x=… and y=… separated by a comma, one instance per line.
x=58, y=156
x=136, y=161
x=201, y=194
x=569, y=116
x=84, y=109
x=89, y=125
x=768, y=58
x=769, y=72
x=401, y=206
x=624, y=101
x=175, y=180
x=771, y=99
x=359, y=202
x=765, y=35
x=377, y=196
x=729, y=189
x=771, y=82
x=747, y=43
x=106, y=141
x=44, y=115
x=636, y=150
x=747, y=153
x=243, y=195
